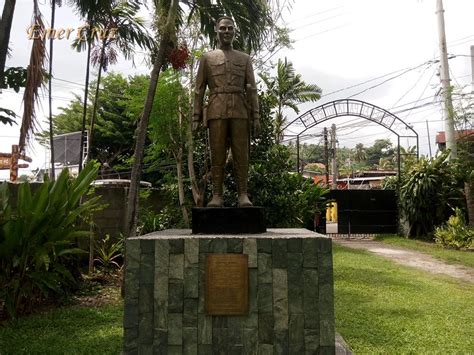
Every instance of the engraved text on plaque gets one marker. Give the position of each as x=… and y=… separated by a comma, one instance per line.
x=226, y=284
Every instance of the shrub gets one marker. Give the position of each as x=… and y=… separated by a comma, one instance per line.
x=36, y=239
x=455, y=233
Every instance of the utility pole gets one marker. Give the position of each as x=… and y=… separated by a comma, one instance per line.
x=334, y=161
x=429, y=139
x=445, y=83
x=472, y=68
x=326, y=155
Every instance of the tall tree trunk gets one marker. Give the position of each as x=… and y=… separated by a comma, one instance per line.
x=179, y=172
x=469, y=193
x=84, y=111
x=50, y=90
x=132, y=205
x=96, y=99
x=5, y=29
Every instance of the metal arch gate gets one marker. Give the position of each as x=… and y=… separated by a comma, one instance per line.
x=351, y=107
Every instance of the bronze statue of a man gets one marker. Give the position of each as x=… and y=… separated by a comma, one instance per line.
x=232, y=110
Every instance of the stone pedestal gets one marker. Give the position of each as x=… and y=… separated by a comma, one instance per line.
x=291, y=301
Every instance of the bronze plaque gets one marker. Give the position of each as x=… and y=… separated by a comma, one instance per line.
x=227, y=284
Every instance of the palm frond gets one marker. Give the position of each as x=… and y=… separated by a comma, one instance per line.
x=34, y=80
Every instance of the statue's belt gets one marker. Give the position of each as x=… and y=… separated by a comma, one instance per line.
x=227, y=90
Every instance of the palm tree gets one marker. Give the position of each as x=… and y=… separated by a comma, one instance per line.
x=5, y=28
x=360, y=154
x=251, y=17
x=50, y=84
x=286, y=91
x=131, y=31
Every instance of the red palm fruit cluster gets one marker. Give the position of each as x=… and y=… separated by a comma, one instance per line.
x=179, y=56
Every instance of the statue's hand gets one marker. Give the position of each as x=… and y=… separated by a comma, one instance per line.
x=256, y=128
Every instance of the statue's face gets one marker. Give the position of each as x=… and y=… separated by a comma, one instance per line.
x=225, y=31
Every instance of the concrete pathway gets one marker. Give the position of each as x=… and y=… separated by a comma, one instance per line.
x=410, y=258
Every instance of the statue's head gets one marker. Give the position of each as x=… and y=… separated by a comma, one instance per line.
x=225, y=29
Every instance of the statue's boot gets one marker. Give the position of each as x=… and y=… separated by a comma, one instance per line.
x=241, y=173
x=217, y=173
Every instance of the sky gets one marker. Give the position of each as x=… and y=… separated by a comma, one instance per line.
x=385, y=50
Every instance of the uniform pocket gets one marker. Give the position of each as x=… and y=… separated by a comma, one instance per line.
x=217, y=69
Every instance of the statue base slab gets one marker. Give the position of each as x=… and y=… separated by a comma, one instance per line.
x=228, y=220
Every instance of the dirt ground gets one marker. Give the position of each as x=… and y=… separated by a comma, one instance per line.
x=410, y=258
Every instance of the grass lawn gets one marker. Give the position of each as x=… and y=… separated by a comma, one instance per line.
x=450, y=256
x=381, y=307
x=388, y=309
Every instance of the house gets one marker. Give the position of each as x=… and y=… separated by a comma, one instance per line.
x=461, y=135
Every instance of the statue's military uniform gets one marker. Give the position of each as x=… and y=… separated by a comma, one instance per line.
x=231, y=107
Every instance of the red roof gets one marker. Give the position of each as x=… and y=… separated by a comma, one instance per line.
x=463, y=134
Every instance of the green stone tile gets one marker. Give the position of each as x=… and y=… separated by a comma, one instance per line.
x=235, y=330
x=279, y=253
x=326, y=300
x=175, y=350
x=204, y=329
x=250, y=340
x=295, y=245
x=264, y=268
x=265, y=328
x=145, y=349
x=251, y=320
x=236, y=350
x=147, y=246
x=264, y=245
x=133, y=253
x=130, y=340
x=311, y=297
x=235, y=245
x=280, y=345
x=310, y=253
x=145, y=299
x=191, y=252
x=132, y=283
x=161, y=313
x=176, y=246
x=130, y=318
x=162, y=252
x=265, y=349
x=145, y=328
x=327, y=350
x=202, y=278
x=176, y=270
x=160, y=341
x=295, y=283
x=265, y=298
x=191, y=283
x=190, y=344
x=190, y=314
x=219, y=322
x=219, y=338
x=250, y=248
x=204, y=245
x=296, y=334
x=218, y=245
x=280, y=298
x=205, y=349
x=175, y=329
x=253, y=287
x=311, y=341
x=175, y=296
x=147, y=269
x=325, y=245
x=327, y=332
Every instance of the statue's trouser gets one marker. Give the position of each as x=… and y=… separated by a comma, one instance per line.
x=237, y=131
